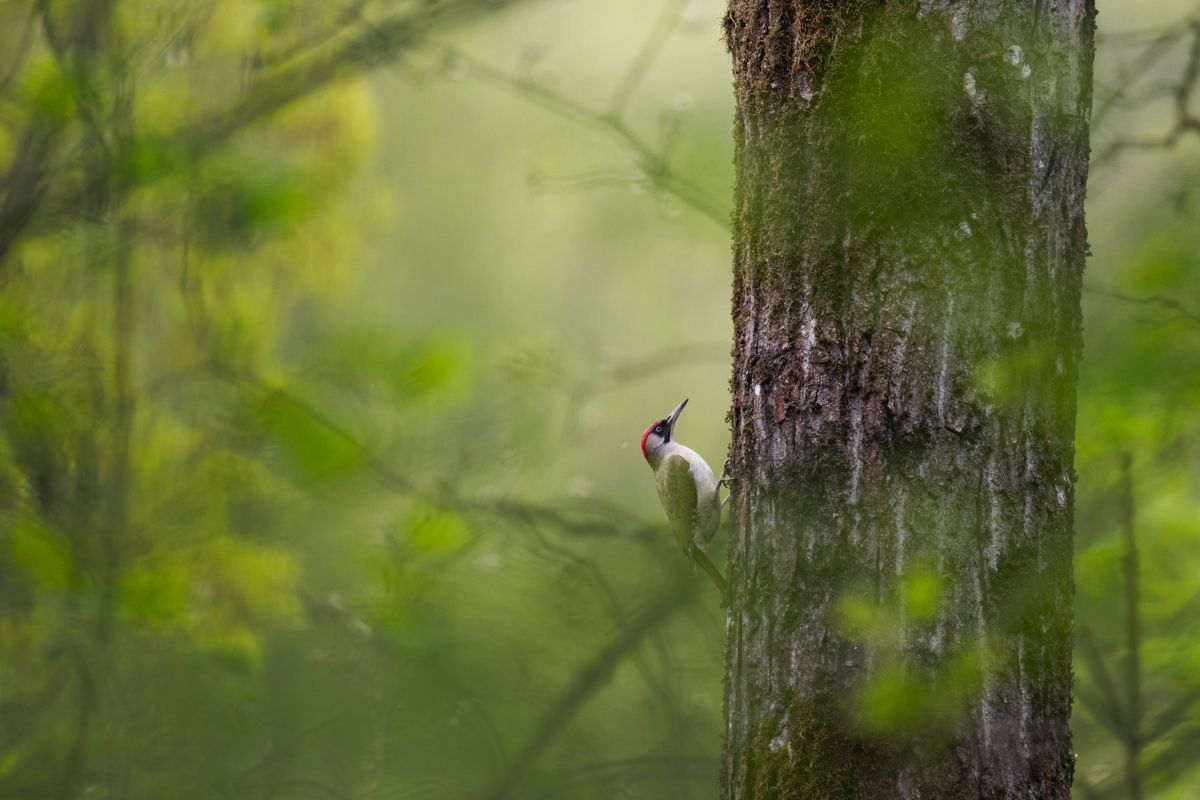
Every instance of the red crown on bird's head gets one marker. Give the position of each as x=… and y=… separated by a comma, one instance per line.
x=666, y=423
x=645, y=435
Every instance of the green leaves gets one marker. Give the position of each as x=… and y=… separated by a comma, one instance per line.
x=897, y=694
x=432, y=367
x=899, y=697
x=151, y=159
x=297, y=439
x=922, y=590
x=239, y=199
x=918, y=601
x=49, y=91
x=217, y=594
x=434, y=531
x=40, y=553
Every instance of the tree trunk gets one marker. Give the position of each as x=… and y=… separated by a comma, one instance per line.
x=908, y=250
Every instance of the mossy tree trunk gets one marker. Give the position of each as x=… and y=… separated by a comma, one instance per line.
x=908, y=251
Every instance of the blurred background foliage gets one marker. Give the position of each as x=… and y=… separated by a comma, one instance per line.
x=327, y=333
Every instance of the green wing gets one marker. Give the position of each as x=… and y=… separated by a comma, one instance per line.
x=677, y=491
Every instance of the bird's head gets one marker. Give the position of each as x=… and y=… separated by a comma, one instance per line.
x=659, y=435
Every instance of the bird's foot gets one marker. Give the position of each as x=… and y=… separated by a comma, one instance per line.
x=726, y=477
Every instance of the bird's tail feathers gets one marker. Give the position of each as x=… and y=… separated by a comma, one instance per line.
x=700, y=559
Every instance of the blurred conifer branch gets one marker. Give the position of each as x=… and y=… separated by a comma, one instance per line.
x=1153, y=744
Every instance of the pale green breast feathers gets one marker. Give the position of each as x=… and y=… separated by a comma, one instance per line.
x=694, y=517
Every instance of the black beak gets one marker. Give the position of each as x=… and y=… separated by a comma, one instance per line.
x=674, y=415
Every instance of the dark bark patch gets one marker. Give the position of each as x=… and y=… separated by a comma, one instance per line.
x=780, y=48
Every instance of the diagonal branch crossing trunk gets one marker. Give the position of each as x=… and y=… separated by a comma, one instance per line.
x=908, y=251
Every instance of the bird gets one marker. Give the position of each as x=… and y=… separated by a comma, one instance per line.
x=688, y=491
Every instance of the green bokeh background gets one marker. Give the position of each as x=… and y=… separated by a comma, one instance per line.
x=386, y=529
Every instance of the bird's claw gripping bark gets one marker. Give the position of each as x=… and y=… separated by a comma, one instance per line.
x=726, y=478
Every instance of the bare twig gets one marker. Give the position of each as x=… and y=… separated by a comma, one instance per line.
x=666, y=23
x=1117, y=95
x=1159, y=301
x=634, y=369
x=1139, y=36
x=1185, y=120
x=652, y=162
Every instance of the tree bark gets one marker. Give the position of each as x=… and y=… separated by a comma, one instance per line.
x=909, y=245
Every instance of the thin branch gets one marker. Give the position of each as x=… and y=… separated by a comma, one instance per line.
x=374, y=44
x=587, y=682
x=1154, y=52
x=1149, y=300
x=1136, y=36
x=627, y=371
x=594, y=179
x=1185, y=120
x=26, y=185
x=653, y=163
x=662, y=29
x=351, y=14
x=595, y=674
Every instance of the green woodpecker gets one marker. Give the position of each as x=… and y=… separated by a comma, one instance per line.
x=687, y=489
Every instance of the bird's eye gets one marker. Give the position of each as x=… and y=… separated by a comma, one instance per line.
x=658, y=428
